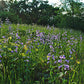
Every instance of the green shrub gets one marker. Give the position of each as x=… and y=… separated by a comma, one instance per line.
x=13, y=17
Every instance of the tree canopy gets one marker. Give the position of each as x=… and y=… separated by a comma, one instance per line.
x=69, y=15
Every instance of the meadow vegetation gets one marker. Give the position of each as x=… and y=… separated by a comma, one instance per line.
x=31, y=54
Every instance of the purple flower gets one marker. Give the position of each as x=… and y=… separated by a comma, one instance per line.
x=29, y=39
x=60, y=61
x=27, y=56
x=35, y=40
x=41, y=34
x=16, y=34
x=38, y=35
x=55, y=62
x=0, y=60
x=28, y=51
x=51, y=46
x=37, y=43
x=60, y=67
x=62, y=57
x=53, y=57
x=48, y=62
x=0, y=56
x=70, y=56
x=68, y=41
x=43, y=42
x=66, y=67
x=72, y=38
x=71, y=43
x=73, y=50
x=65, y=34
x=56, y=37
x=16, y=46
x=21, y=43
x=65, y=38
x=16, y=50
x=49, y=54
x=18, y=37
x=31, y=46
x=27, y=60
x=9, y=28
x=48, y=58
x=12, y=51
x=3, y=36
x=70, y=51
x=67, y=61
x=37, y=31
x=80, y=37
x=48, y=27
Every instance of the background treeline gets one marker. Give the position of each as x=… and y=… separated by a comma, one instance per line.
x=70, y=14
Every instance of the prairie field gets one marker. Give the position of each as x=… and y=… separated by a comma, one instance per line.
x=32, y=54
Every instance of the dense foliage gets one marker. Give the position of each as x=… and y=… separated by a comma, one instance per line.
x=40, y=12
x=40, y=55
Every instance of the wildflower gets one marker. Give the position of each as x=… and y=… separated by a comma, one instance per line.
x=29, y=42
x=60, y=67
x=10, y=38
x=48, y=58
x=65, y=34
x=9, y=28
x=27, y=60
x=21, y=43
x=23, y=54
x=41, y=34
x=16, y=46
x=56, y=37
x=36, y=49
x=51, y=46
x=66, y=66
x=0, y=60
x=0, y=56
x=70, y=51
x=67, y=61
x=17, y=36
x=9, y=49
x=15, y=50
x=12, y=51
x=48, y=62
x=60, y=61
x=78, y=62
x=4, y=46
x=3, y=36
x=68, y=41
x=62, y=57
x=25, y=47
x=71, y=58
x=73, y=50
x=81, y=37
x=49, y=54
x=37, y=43
x=55, y=62
x=53, y=57
x=27, y=56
